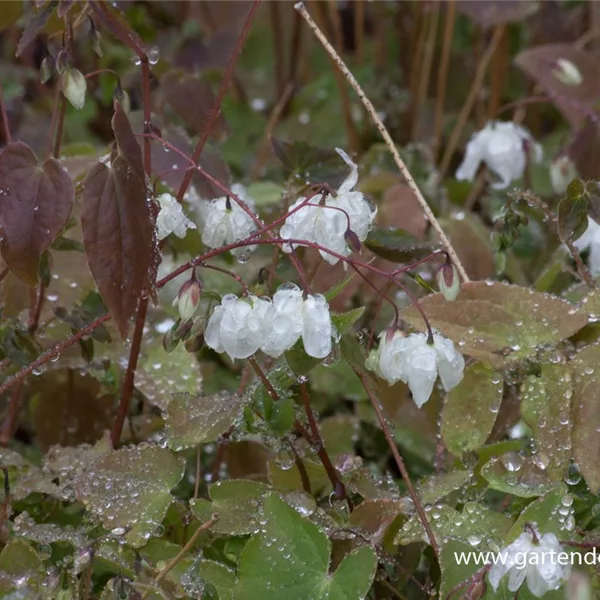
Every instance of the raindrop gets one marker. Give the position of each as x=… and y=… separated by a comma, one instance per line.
x=153, y=55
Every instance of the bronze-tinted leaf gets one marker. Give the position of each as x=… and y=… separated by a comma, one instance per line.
x=489, y=13
x=114, y=22
x=35, y=204
x=397, y=245
x=64, y=6
x=497, y=322
x=586, y=416
x=574, y=101
x=192, y=100
x=34, y=24
x=584, y=149
x=118, y=231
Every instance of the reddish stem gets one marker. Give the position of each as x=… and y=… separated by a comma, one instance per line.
x=47, y=356
x=5, y=124
x=216, y=109
x=399, y=462
x=317, y=441
x=128, y=382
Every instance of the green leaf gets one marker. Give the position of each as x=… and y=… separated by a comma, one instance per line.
x=238, y=503
x=454, y=573
x=192, y=420
x=497, y=322
x=586, y=416
x=544, y=512
x=130, y=490
x=436, y=487
x=221, y=577
x=397, y=245
x=477, y=525
x=314, y=165
x=289, y=560
x=471, y=409
x=22, y=571
x=337, y=289
x=265, y=193
x=546, y=408
x=514, y=474
x=343, y=322
x=572, y=214
x=286, y=477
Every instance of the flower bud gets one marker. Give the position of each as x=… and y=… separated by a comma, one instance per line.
x=74, y=87
x=562, y=172
x=96, y=40
x=188, y=299
x=567, y=72
x=352, y=240
x=448, y=281
x=170, y=341
x=46, y=69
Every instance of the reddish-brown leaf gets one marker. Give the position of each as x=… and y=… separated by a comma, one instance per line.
x=192, y=100
x=63, y=7
x=489, y=13
x=584, y=149
x=37, y=21
x=114, y=21
x=118, y=230
x=574, y=101
x=35, y=204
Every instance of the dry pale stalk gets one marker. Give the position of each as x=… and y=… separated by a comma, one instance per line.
x=386, y=137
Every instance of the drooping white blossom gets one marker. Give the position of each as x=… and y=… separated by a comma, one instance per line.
x=241, y=326
x=284, y=321
x=317, y=328
x=171, y=218
x=224, y=221
x=591, y=240
x=237, y=326
x=533, y=558
x=504, y=147
x=412, y=360
x=325, y=222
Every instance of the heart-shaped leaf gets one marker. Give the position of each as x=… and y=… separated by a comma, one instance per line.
x=118, y=231
x=35, y=204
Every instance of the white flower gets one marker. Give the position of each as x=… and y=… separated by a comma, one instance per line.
x=237, y=326
x=562, y=172
x=326, y=222
x=533, y=559
x=241, y=326
x=171, y=218
x=317, y=328
x=503, y=147
x=284, y=320
x=224, y=221
x=591, y=239
x=412, y=360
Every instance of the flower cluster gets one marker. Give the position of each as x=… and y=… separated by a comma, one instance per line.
x=504, y=147
x=171, y=218
x=224, y=221
x=327, y=222
x=242, y=326
x=533, y=558
x=416, y=362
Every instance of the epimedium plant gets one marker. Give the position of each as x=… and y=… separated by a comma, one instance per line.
x=268, y=392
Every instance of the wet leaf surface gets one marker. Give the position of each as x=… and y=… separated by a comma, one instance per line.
x=499, y=323
x=118, y=232
x=35, y=204
x=129, y=490
x=290, y=558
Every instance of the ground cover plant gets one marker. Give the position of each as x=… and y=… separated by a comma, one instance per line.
x=299, y=301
